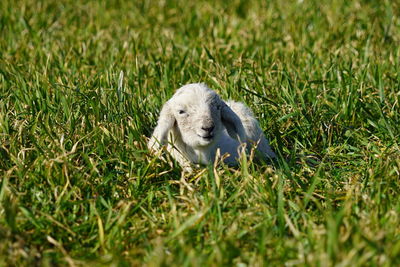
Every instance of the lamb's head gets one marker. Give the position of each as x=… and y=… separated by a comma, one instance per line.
x=196, y=116
x=197, y=111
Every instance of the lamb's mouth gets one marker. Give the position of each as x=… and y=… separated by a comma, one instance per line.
x=207, y=137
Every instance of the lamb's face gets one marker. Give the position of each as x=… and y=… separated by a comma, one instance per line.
x=197, y=110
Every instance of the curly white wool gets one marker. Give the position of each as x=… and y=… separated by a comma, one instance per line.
x=195, y=123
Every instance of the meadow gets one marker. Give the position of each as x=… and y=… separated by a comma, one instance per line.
x=81, y=87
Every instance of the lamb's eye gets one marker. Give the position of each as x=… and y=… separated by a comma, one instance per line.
x=181, y=111
x=218, y=107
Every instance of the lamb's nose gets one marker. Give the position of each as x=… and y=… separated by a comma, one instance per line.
x=208, y=129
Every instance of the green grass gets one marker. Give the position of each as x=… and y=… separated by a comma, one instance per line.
x=81, y=86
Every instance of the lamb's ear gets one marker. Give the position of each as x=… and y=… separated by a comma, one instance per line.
x=232, y=123
x=165, y=122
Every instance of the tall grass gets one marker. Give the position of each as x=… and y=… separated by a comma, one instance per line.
x=81, y=86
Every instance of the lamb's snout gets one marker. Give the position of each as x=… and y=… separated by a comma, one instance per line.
x=208, y=129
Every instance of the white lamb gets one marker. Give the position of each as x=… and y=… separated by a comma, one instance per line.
x=195, y=123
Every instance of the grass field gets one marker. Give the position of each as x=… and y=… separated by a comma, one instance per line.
x=81, y=86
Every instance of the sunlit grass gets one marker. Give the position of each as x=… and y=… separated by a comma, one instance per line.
x=81, y=86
